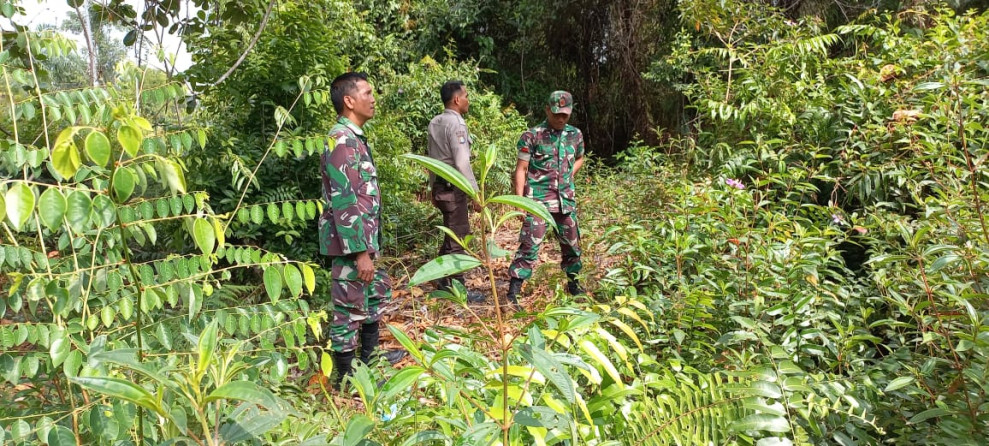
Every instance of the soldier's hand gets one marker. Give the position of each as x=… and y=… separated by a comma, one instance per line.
x=365, y=267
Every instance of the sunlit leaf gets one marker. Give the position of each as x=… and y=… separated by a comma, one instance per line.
x=204, y=235
x=528, y=205
x=293, y=280
x=65, y=154
x=444, y=266
x=19, y=201
x=98, y=148
x=130, y=139
x=447, y=172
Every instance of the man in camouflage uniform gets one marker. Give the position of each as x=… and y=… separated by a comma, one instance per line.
x=350, y=226
x=549, y=155
x=450, y=143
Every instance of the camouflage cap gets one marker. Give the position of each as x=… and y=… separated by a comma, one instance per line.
x=560, y=102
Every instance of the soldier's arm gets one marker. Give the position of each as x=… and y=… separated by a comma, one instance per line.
x=577, y=165
x=457, y=140
x=579, y=152
x=518, y=179
x=522, y=164
x=344, y=173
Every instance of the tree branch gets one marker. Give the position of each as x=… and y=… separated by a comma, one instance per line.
x=264, y=22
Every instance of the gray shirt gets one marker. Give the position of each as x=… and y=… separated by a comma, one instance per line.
x=450, y=142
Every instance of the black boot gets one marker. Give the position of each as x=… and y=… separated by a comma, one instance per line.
x=442, y=284
x=514, y=287
x=573, y=286
x=369, y=341
x=342, y=363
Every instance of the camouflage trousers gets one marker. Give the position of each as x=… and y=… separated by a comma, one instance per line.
x=354, y=302
x=532, y=235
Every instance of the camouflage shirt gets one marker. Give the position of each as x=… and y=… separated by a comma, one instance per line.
x=351, y=219
x=551, y=155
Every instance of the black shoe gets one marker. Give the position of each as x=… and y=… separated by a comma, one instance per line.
x=442, y=284
x=369, y=341
x=475, y=297
x=514, y=287
x=573, y=287
x=342, y=363
x=393, y=356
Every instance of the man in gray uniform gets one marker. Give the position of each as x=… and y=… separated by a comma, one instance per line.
x=450, y=142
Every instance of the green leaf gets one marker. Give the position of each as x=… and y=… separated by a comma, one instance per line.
x=400, y=382
x=309, y=277
x=61, y=436
x=288, y=210
x=293, y=279
x=447, y=265
x=204, y=235
x=123, y=184
x=104, y=211
x=273, y=282
x=928, y=414
x=79, y=210
x=357, y=428
x=257, y=215
x=407, y=343
x=106, y=315
x=552, y=369
x=130, y=139
x=130, y=37
x=541, y=416
x=761, y=422
x=19, y=204
x=221, y=236
x=72, y=363
x=609, y=368
x=171, y=174
x=426, y=437
x=273, y=212
x=127, y=357
x=3, y=212
x=65, y=154
x=207, y=346
x=447, y=172
x=119, y=388
x=924, y=86
x=326, y=364
x=774, y=441
x=528, y=205
x=98, y=148
x=899, y=383
x=243, y=391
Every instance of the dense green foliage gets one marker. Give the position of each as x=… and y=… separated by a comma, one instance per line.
x=803, y=261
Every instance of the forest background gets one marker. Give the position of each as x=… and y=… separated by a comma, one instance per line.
x=783, y=215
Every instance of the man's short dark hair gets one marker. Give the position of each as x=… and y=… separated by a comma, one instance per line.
x=449, y=90
x=344, y=85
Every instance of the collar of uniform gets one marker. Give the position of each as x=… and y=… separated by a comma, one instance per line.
x=454, y=112
x=350, y=124
x=545, y=125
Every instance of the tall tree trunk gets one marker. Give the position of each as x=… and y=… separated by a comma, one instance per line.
x=86, y=24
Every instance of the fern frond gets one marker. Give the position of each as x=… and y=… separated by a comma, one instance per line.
x=690, y=410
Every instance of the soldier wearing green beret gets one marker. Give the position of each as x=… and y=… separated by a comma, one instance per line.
x=549, y=156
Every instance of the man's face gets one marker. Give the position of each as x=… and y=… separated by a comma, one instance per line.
x=556, y=121
x=362, y=101
x=462, y=102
